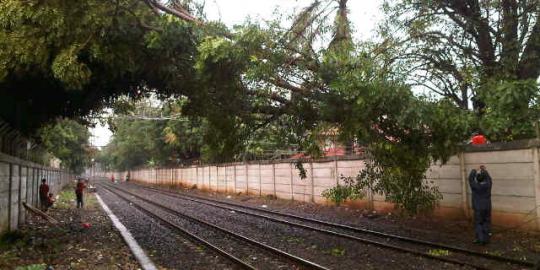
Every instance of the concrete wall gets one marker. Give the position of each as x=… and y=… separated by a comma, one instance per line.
x=515, y=169
x=279, y=179
x=19, y=182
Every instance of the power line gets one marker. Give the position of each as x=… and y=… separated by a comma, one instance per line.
x=176, y=117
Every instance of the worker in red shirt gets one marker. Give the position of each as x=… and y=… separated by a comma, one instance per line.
x=478, y=139
x=43, y=194
x=79, y=191
x=50, y=201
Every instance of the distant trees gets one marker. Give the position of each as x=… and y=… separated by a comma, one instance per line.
x=146, y=134
x=68, y=141
x=149, y=132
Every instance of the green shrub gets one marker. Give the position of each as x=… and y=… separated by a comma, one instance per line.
x=341, y=193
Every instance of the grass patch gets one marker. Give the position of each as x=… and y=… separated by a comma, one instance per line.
x=9, y=239
x=517, y=249
x=66, y=199
x=496, y=253
x=337, y=252
x=9, y=243
x=294, y=240
x=438, y=252
x=7, y=257
x=90, y=201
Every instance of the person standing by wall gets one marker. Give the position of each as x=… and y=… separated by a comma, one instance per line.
x=79, y=191
x=43, y=194
x=480, y=183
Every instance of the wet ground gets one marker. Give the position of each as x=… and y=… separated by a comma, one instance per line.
x=334, y=252
x=67, y=245
x=511, y=242
x=71, y=246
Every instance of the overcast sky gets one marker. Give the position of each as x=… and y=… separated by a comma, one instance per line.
x=364, y=15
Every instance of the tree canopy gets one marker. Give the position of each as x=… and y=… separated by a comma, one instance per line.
x=264, y=85
x=68, y=141
x=150, y=134
x=484, y=53
x=70, y=58
x=456, y=48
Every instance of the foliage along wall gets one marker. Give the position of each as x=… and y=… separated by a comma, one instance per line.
x=514, y=169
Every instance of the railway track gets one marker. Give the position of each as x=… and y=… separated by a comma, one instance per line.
x=291, y=261
x=455, y=255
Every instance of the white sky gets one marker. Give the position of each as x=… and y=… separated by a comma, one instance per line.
x=364, y=15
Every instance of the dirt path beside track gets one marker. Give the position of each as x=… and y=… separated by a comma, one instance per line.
x=67, y=245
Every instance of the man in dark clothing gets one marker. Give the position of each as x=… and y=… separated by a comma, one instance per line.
x=480, y=183
x=43, y=193
x=79, y=193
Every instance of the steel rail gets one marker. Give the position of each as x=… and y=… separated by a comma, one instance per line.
x=342, y=226
x=274, y=250
x=190, y=235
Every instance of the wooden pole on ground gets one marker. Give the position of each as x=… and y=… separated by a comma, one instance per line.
x=39, y=213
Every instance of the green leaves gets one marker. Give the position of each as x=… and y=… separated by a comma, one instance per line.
x=349, y=190
x=511, y=111
x=157, y=142
x=213, y=50
x=68, y=141
x=402, y=133
x=69, y=70
x=100, y=49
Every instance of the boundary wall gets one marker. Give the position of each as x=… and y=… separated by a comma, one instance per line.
x=514, y=167
x=19, y=182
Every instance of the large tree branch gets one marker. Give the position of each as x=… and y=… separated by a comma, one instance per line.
x=274, y=96
x=140, y=22
x=279, y=82
x=510, y=46
x=438, y=35
x=525, y=19
x=447, y=91
x=529, y=66
x=459, y=22
x=267, y=109
x=182, y=14
x=470, y=11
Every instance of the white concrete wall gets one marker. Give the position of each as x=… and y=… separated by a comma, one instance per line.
x=4, y=195
x=279, y=179
x=19, y=182
x=515, y=173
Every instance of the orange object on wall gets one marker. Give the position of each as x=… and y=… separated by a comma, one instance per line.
x=478, y=139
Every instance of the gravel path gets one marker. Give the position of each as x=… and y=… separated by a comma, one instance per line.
x=166, y=248
x=68, y=245
x=506, y=242
x=275, y=217
x=331, y=251
x=252, y=254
